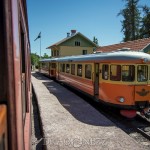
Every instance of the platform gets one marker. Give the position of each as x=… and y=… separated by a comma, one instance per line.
x=70, y=123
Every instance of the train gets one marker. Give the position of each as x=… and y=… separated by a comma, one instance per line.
x=15, y=76
x=112, y=78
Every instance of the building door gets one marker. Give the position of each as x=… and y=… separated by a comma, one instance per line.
x=96, y=80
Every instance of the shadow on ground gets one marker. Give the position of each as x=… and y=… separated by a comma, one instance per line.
x=76, y=106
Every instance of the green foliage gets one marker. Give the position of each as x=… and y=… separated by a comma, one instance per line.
x=95, y=40
x=145, y=23
x=131, y=20
x=136, y=20
x=45, y=56
x=34, y=59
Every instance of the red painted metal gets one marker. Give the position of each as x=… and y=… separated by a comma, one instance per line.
x=128, y=113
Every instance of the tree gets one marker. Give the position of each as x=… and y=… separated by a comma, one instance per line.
x=45, y=56
x=145, y=27
x=95, y=40
x=35, y=59
x=131, y=20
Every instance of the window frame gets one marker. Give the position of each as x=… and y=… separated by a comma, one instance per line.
x=128, y=75
x=145, y=74
x=84, y=52
x=73, y=69
x=87, y=74
x=77, y=43
x=67, y=71
x=105, y=72
x=116, y=77
x=78, y=73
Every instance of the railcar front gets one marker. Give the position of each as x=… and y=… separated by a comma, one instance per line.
x=44, y=67
x=48, y=67
x=112, y=78
x=125, y=82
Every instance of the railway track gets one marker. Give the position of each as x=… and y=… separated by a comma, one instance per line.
x=144, y=130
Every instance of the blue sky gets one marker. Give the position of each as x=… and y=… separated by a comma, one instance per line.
x=54, y=18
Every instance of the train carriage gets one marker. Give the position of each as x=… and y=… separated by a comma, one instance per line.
x=15, y=81
x=48, y=67
x=120, y=79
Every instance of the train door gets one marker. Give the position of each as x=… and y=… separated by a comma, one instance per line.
x=96, y=80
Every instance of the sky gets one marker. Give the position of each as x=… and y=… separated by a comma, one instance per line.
x=54, y=18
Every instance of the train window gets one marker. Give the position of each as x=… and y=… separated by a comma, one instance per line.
x=142, y=73
x=115, y=73
x=67, y=68
x=73, y=69
x=63, y=67
x=88, y=71
x=53, y=65
x=105, y=72
x=60, y=67
x=79, y=70
x=128, y=73
x=45, y=65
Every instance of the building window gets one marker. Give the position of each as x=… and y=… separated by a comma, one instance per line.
x=73, y=69
x=79, y=70
x=84, y=52
x=88, y=71
x=77, y=43
x=57, y=52
x=54, y=53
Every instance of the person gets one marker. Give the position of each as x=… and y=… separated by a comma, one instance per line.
x=141, y=76
x=105, y=75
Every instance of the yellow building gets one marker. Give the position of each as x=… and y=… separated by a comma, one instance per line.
x=73, y=44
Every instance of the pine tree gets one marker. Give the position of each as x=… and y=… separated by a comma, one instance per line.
x=131, y=20
x=95, y=40
x=145, y=27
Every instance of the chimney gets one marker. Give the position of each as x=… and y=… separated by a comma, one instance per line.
x=68, y=34
x=73, y=32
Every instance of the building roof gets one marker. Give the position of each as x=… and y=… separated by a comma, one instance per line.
x=136, y=45
x=67, y=38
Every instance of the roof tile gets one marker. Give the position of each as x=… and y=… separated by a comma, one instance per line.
x=135, y=45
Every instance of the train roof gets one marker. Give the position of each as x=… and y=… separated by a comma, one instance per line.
x=111, y=56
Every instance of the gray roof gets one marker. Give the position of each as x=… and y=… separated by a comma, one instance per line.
x=120, y=55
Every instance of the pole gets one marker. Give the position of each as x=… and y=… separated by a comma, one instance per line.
x=40, y=47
